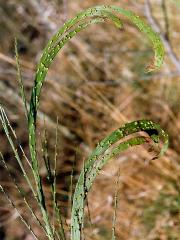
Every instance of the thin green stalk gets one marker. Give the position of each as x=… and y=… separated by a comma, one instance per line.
x=5, y=127
x=21, y=192
x=71, y=183
x=20, y=215
x=56, y=209
x=8, y=124
x=20, y=80
x=51, y=175
x=115, y=208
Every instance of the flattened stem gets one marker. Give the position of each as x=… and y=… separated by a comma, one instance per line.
x=99, y=158
x=55, y=45
x=57, y=42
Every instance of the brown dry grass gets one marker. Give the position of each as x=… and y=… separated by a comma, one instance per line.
x=95, y=85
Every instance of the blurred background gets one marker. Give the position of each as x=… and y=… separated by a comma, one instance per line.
x=97, y=83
